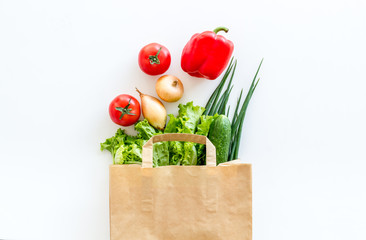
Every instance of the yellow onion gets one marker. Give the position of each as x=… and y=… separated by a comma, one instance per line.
x=153, y=110
x=169, y=88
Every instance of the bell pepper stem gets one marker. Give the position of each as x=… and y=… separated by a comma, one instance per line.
x=218, y=29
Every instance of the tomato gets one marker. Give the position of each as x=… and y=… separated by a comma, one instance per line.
x=154, y=59
x=124, y=110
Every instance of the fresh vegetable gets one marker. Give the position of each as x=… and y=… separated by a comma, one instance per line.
x=213, y=103
x=238, y=119
x=214, y=124
x=169, y=88
x=160, y=149
x=161, y=154
x=145, y=130
x=130, y=152
x=190, y=154
x=203, y=128
x=176, y=152
x=207, y=54
x=127, y=149
x=154, y=59
x=217, y=104
x=220, y=136
x=124, y=110
x=153, y=110
x=192, y=114
x=186, y=122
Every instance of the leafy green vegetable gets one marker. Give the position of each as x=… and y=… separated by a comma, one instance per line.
x=237, y=126
x=176, y=151
x=190, y=154
x=203, y=129
x=128, y=154
x=160, y=150
x=217, y=104
x=177, y=125
x=113, y=143
x=172, y=125
x=192, y=114
x=212, y=102
x=161, y=154
x=146, y=131
x=205, y=123
x=127, y=149
x=186, y=122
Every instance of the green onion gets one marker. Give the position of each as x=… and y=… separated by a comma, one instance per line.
x=217, y=104
x=238, y=124
x=233, y=131
x=211, y=104
x=221, y=104
x=228, y=110
x=236, y=112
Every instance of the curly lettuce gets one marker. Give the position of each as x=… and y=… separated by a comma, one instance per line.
x=192, y=115
x=129, y=154
x=203, y=129
x=161, y=154
x=145, y=130
x=190, y=154
x=112, y=144
x=176, y=153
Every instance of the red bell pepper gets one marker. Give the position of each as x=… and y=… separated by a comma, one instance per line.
x=207, y=54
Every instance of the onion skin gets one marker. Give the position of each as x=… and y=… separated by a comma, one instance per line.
x=169, y=88
x=153, y=111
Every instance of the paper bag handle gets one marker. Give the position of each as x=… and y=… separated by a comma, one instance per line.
x=147, y=149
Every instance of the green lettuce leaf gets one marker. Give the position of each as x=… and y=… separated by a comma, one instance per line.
x=172, y=125
x=160, y=150
x=145, y=130
x=176, y=151
x=192, y=115
x=186, y=122
x=125, y=149
x=129, y=154
x=177, y=125
x=203, y=129
x=161, y=154
x=190, y=154
x=205, y=123
x=112, y=144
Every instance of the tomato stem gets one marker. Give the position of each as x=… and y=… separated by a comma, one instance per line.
x=218, y=29
x=154, y=58
x=125, y=110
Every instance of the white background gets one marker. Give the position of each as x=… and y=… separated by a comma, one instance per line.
x=62, y=62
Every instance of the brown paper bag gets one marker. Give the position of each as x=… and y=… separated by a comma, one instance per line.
x=181, y=202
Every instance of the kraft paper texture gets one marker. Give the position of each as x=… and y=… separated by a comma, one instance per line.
x=181, y=202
